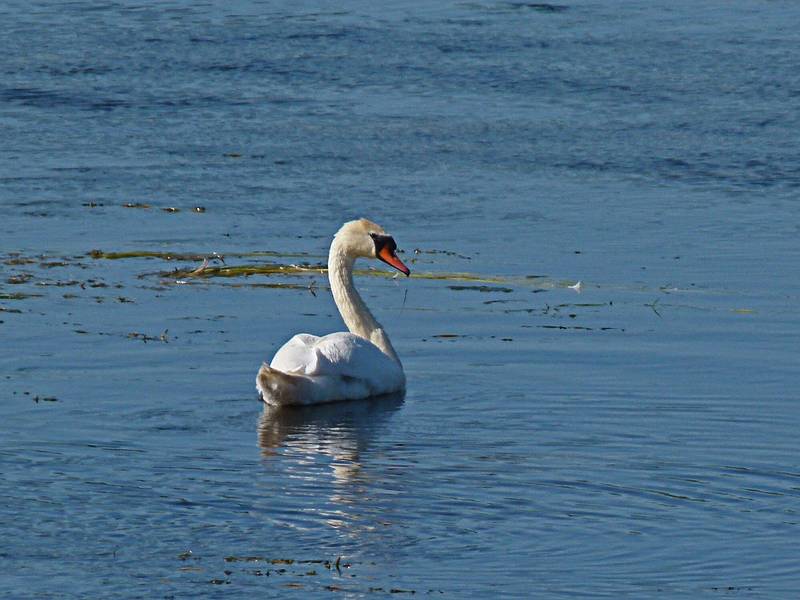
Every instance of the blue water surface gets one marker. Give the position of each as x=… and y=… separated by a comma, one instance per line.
x=634, y=439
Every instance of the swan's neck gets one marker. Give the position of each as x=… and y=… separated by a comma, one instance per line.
x=354, y=311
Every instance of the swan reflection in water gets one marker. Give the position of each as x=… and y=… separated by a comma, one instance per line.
x=340, y=432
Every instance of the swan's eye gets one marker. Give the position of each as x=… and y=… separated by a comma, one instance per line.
x=383, y=241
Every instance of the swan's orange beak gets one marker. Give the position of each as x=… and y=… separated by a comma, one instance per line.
x=390, y=258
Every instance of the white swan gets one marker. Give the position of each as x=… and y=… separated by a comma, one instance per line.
x=347, y=365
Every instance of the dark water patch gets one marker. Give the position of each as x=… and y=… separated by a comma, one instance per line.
x=72, y=71
x=18, y=296
x=541, y=7
x=575, y=328
x=54, y=99
x=480, y=288
x=508, y=7
x=319, y=35
x=207, y=101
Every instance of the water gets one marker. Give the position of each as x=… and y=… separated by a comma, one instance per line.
x=637, y=439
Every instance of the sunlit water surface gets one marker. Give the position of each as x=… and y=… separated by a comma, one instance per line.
x=637, y=438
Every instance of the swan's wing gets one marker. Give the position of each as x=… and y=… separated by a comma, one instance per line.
x=353, y=367
x=348, y=355
x=339, y=365
x=335, y=354
x=295, y=355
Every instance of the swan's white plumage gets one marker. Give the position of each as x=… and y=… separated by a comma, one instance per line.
x=341, y=354
x=340, y=366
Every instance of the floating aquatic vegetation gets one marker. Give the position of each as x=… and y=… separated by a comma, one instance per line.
x=20, y=260
x=288, y=271
x=585, y=304
x=247, y=270
x=459, y=277
x=329, y=575
x=38, y=399
x=204, y=271
x=19, y=279
x=201, y=268
x=191, y=256
x=232, y=271
x=311, y=288
x=150, y=338
x=98, y=254
x=67, y=283
x=53, y=263
x=444, y=252
x=556, y=308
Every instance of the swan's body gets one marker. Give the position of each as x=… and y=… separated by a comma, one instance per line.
x=340, y=366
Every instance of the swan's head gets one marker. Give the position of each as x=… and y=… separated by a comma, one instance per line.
x=365, y=239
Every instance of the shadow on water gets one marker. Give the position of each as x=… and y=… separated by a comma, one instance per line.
x=339, y=430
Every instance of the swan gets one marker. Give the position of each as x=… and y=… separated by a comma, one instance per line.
x=347, y=365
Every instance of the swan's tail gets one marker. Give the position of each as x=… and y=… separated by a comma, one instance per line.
x=278, y=388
